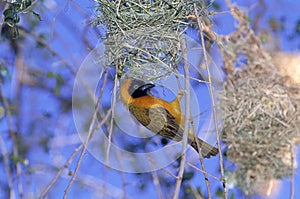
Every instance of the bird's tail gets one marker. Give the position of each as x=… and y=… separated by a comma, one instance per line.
x=206, y=149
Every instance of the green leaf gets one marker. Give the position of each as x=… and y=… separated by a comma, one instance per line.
x=15, y=32
x=50, y=74
x=216, y=6
x=16, y=159
x=11, y=16
x=2, y=112
x=31, y=170
x=26, y=4
x=219, y=193
x=60, y=80
x=297, y=28
x=188, y=175
x=8, y=14
x=3, y=70
x=57, y=89
x=36, y=15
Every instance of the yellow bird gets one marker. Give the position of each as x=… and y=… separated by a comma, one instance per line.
x=159, y=116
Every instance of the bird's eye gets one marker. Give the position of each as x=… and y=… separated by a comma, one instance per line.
x=135, y=87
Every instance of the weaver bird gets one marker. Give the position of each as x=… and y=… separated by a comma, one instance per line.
x=159, y=116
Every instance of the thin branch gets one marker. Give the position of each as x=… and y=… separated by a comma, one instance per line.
x=14, y=140
x=59, y=172
x=203, y=171
x=56, y=54
x=53, y=181
x=157, y=184
x=47, y=46
x=90, y=133
x=112, y=116
x=99, y=187
x=124, y=195
x=186, y=122
x=87, y=27
x=7, y=167
x=200, y=26
x=168, y=172
x=292, y=184
x=121, y=169
x=203, y=166
x=195, y=192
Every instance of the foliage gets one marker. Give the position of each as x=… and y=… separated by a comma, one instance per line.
x=12, y=17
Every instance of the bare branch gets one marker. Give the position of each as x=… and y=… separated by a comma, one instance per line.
x=200, y=26
x=13, y=138
x=186, y=122
x=7, y=167
x=90, y=133
x=59, y=172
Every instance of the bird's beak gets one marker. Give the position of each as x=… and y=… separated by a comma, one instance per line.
x=146, y=87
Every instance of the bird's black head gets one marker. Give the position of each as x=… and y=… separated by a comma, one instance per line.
x=138, y=88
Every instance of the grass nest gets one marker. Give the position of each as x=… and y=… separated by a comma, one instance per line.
x=261, y=111
x=261, y=126
x=145, y=36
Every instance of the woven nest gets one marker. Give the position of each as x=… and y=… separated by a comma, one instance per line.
x=261, y=126
x=145, y=36
x=261, y=111
x=155, y=56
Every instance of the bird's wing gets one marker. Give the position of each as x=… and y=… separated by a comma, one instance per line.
x=164, y=123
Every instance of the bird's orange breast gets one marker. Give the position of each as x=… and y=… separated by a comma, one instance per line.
x=152, y=102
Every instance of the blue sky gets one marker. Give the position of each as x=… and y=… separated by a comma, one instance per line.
x=65, y=25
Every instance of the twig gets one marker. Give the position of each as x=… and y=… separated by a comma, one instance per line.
x=90, y=133
x=112, y=117
x=197, y=142
x=121, y=169
x=195, y=192
x=63, y=60
x=86, y=31
x=292, y=186
x=53, y=181
x=7, y=167
x=203, y=171
x=59, y=172
x=102, y=188
x=14, y=140
x=157, y=184
x=186, y=122
x=47, y=46
x=200, y=26
x=124, y=195
x=168, y=172
x=203, y=166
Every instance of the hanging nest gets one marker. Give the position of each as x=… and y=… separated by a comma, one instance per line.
x=155, y=56
x=261, y=111
x=145, y=36
x=261, y=126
